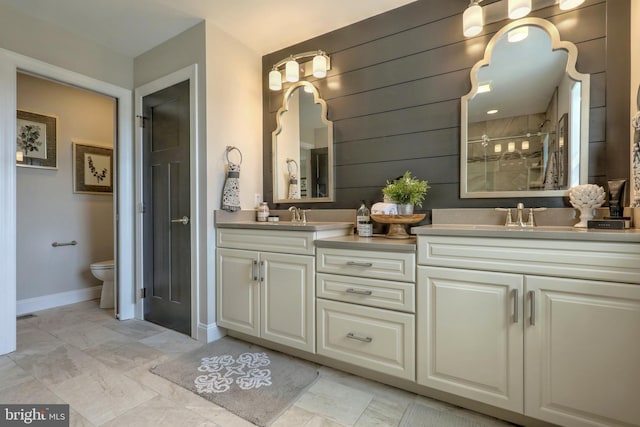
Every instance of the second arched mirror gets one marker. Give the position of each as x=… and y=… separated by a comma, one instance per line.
x=303, y=148
x=525, y=122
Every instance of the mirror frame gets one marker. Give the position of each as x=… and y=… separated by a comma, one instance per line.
x=572, y=57
x=274, y=148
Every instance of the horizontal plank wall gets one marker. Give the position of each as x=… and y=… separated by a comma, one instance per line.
x=394, y=90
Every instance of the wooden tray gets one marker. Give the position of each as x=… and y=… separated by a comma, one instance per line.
x=397, y=224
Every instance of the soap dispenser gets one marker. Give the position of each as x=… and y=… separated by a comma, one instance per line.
x=362, y=216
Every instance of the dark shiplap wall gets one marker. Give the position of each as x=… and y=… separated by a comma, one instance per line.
x=394, y=92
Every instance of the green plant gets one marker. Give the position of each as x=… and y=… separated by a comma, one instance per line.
x=406, y=190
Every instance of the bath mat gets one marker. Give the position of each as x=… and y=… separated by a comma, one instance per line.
x=254, y=383
x=417, y=415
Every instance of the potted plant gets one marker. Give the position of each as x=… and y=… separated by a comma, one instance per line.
x=406, y=191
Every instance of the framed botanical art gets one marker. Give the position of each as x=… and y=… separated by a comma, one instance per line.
x=92, y=169
x=36, y=142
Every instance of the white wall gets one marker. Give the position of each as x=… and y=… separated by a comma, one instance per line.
x=234, y=117
x=57, y=46
x=47, y=208
x=635, y=71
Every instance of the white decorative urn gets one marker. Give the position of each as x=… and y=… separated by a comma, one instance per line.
x=586, y=198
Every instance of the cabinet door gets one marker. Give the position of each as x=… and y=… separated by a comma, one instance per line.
x=470, y=334
x=237, y=291
x=288, y=296
x=583, y=352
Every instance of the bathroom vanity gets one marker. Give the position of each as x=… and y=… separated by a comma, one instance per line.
x=530, y=325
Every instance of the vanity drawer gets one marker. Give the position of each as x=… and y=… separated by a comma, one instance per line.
x=283, y=241
x=372, y=292
x=376, y=339
x=374, y=264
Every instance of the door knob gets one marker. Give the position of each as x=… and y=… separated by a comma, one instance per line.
x=184, y=220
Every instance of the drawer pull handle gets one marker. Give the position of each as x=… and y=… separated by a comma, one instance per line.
x=353, y=336
x=360, y=264
x=532, y=295
x=515, y=306
x=254, y=270
x=358, y=291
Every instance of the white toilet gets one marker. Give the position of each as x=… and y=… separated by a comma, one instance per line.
x=104, y=270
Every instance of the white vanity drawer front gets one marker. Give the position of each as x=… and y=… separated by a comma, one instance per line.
x=609, y=261
x=373, y=338
x=284, y=241
x=375, y=264
x=372, y=292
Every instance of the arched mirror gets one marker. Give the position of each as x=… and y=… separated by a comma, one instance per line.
x=525, y=122
x=303, y=148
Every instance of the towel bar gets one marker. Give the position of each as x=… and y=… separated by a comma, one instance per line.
x=71, y=243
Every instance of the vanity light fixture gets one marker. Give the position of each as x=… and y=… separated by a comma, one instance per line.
x=570, y=4
x=472, y=19
x=511, y=147
x=473, y=16
x=497, y=148
x=518, y=34
x=318, y=68
x=524, y=145
x=519, y=8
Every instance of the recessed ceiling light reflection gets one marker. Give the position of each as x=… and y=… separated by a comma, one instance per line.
x=492, y=111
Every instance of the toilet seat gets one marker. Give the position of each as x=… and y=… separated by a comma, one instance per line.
x=102, y=265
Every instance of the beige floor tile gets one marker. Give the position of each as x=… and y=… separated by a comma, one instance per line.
x=124, y=356
x=87, y=335
x=293, y=417
x=32, y=391
x=102, y=394
x=58, y=365
x=219, y=415
x=133, y=328
x=11, y=374
x=335, y=401
x=382, y=413
x=171, y=342
x=159, y=412
x=77, y=420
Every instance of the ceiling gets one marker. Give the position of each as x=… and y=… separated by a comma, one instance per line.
x=131, y=27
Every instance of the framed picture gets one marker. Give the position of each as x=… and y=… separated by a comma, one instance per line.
x=36, y=142
x=92, y=169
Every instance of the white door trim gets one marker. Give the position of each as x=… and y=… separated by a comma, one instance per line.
x=187, y=73
x=10, y=64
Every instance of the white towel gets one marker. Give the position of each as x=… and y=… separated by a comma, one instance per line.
x=384, y=209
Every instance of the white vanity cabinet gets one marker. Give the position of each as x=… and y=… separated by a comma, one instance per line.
x=265, y=284
x=366, y=305
x=547, y=328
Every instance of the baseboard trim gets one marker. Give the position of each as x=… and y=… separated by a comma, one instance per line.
x=211, y=332
x=30, y=305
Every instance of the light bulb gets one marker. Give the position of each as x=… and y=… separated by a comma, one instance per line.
x=292, y=71
x=275, y=80
x=319, y=66
x=472, y=20
x=497, y=148
x=570, y=4
x=524, y=145
x=19, y=156
x=519, y=8
x=511, y=147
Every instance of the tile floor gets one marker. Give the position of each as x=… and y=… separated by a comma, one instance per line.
x=79, y=354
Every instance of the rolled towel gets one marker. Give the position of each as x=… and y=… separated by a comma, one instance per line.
x=384, y=209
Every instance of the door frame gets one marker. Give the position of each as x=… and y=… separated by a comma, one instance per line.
x=187, y=73
x=10, y=64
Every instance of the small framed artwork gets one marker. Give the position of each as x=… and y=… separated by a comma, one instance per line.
x=92, y=169
x=36, y=142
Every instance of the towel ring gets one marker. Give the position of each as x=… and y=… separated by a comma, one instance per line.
x=289, y=161
x=231, y=148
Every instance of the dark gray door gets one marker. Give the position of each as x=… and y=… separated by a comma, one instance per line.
x=167, y=225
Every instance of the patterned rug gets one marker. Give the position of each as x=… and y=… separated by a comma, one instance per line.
x=254, y=383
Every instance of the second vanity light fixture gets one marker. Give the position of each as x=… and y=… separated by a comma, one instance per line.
x=319, y=66
x=473, y=17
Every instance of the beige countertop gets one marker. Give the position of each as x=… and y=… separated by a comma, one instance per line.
x=543, y=232
x=287, y=225
x=375, y=243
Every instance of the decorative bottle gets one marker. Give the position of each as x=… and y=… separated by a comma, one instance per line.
x=362, y=215
x=262, y=214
